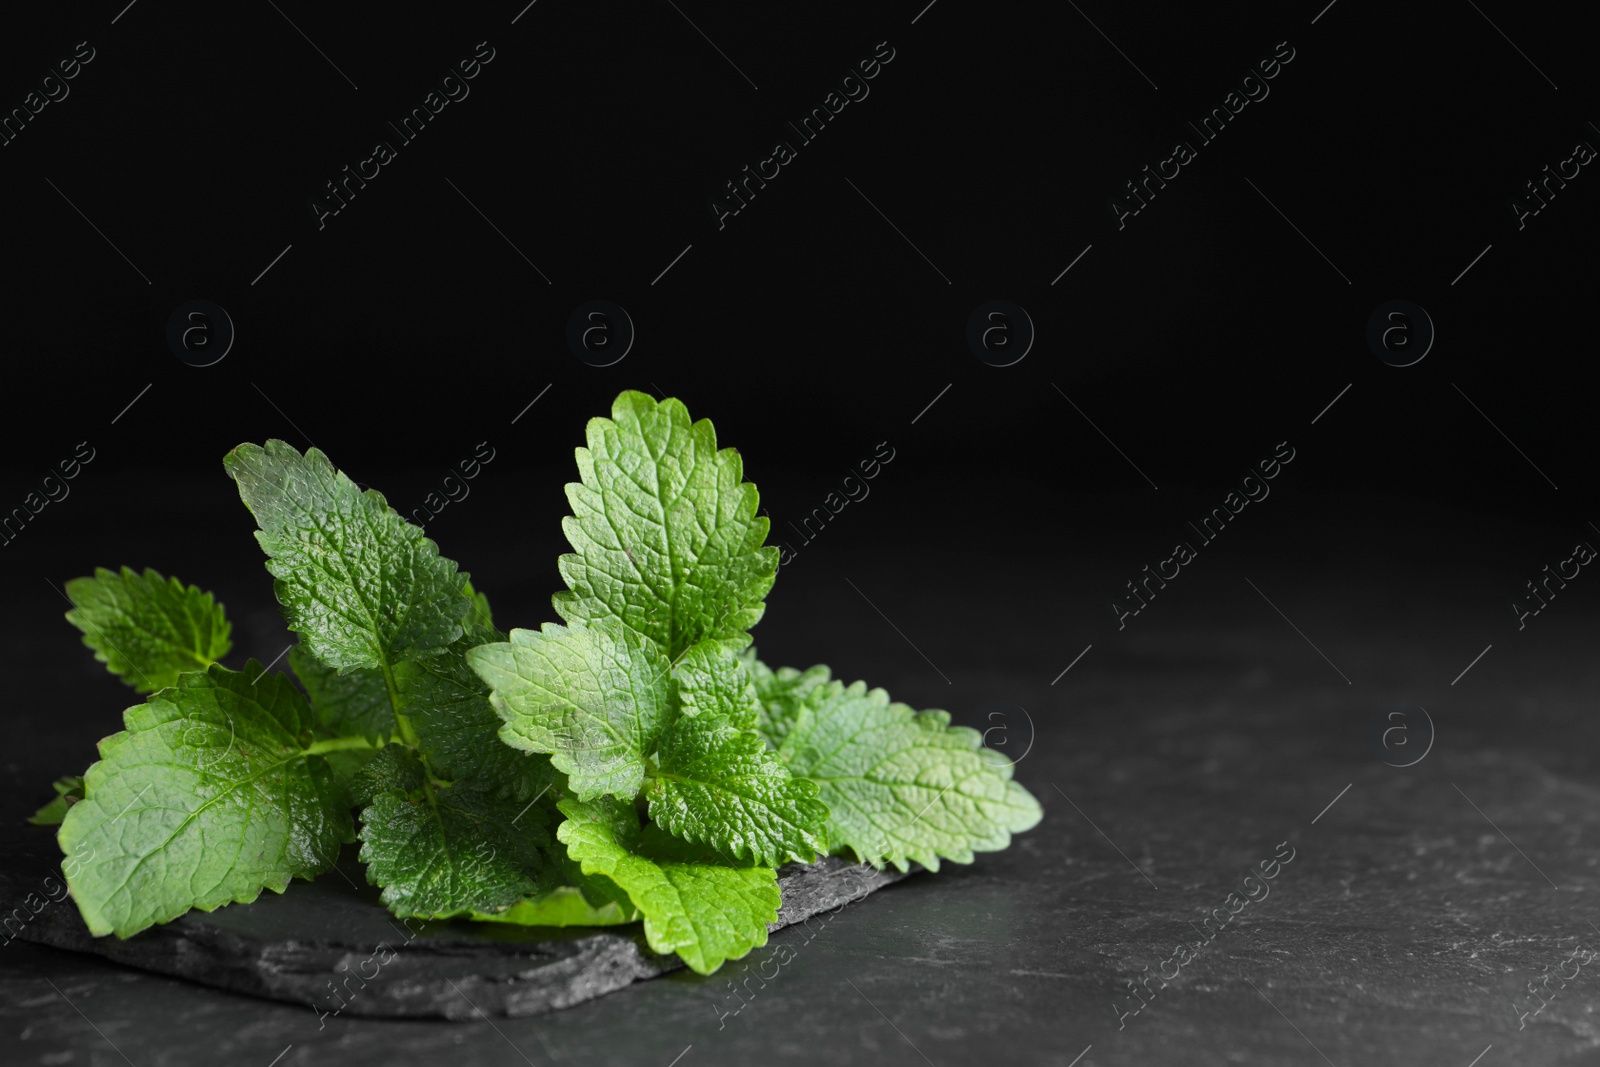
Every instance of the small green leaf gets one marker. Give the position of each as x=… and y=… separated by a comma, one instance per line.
x=212, y=793
x=903, y=786
x=712, y=680
x=479, y=620
x=563, y=906
x=148, y=629
x=594, y=699
x=68, y=792
x=782, y=693
x=664, y=530
x=364, y=587
x=703, y=908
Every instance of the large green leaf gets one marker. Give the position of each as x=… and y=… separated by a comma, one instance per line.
x=364, y=587
x=664, y=530
x=214, y=792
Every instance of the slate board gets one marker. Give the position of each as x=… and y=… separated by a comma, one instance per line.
x=330, y=944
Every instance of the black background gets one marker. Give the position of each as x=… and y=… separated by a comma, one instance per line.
x=1197, y=337
x=407, y=330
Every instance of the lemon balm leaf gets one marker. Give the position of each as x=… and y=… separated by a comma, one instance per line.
x=457, y=730
x=704, y=909
x=782, y=693
x=68, y=792
x=595, y=700
x=711, y=680
x=903, y=786
x=664, y=530
x=714, y=779
x=719, y=785
x=213, y=792
x=147, y=629
x=563, y=906
x=444, y=852
x=362, y=586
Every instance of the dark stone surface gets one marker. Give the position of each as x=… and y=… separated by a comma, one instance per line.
x=1416, y=911
x=331, y=945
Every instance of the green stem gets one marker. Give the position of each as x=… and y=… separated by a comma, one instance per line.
x=408, y=737
x=407, y=732
x=340, y=744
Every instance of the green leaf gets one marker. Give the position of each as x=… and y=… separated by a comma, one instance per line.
x=68, y=792
x=563, y=906
x=364, y=587
x=704, y=909
x=782, y=693
x=148, y=629
x=393, y=768
x=457, y=730
x=664, y=530
x=479, y=620
x=712, y=680
x=594, y=699
x=354, y=704
x=442, y=852
x=212, y=793
x=719, y=785
x=903, y=786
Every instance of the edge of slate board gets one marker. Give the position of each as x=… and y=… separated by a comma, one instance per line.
x=330, y=942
